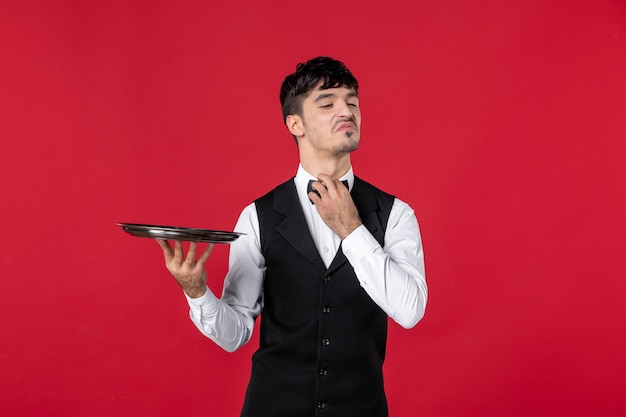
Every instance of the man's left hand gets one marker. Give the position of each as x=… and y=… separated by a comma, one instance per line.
x=335, y=205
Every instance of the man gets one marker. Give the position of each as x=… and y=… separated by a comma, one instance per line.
x=324, y=264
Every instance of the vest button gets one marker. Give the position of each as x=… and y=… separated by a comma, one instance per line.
x=323, y=372
x=326, y=309
x=321, y=405
x=325, y=341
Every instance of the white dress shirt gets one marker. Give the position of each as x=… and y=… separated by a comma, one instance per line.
x=393, y=276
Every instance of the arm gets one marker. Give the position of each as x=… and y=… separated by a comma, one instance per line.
x=229, y=321
x=393, y=276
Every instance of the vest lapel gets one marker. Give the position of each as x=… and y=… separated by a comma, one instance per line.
x=293, y=227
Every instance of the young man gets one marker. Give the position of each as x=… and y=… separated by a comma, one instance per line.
x=325, y=260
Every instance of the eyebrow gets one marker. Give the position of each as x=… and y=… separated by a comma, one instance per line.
x=326, y=95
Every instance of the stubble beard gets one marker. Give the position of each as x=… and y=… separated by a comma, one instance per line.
x=347, y=146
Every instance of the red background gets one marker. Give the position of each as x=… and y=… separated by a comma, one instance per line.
x=501, y=122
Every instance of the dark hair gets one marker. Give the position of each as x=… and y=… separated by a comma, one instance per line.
x=297, y=86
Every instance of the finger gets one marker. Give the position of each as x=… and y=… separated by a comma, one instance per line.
x=178, y=250
x=320, y=187
x=324, y=178
x=168, y=252
x=341, y=188
x=205, y=255
x=329, y=184
x=191, y=253
x=315, y=197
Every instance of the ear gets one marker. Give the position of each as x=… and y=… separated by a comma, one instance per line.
x=294, y=124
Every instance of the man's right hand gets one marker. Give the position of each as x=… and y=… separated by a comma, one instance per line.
x=188, y=272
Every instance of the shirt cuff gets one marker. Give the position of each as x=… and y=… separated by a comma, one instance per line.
x=205, y=300
x=359, y=243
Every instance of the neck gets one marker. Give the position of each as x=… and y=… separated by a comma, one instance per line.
x=335, y=167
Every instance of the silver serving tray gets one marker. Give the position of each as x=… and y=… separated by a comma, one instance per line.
x=187, y=234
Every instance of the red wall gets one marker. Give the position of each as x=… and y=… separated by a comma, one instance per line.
x=501, y=122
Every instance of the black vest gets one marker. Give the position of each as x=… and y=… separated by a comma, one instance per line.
x=322, y=338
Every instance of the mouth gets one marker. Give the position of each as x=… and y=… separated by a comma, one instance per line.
x=345, y=126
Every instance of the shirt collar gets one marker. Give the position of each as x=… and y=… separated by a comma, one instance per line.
x=303, y=177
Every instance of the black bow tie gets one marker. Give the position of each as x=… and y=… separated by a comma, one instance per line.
x=309, y=188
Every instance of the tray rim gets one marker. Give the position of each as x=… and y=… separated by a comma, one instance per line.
x=188, y=234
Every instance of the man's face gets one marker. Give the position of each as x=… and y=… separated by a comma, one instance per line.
x=331, y=120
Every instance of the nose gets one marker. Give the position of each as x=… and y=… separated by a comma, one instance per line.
x=344, y=109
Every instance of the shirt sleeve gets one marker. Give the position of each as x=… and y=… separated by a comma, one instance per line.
x=393, y=275
x=229, y=321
